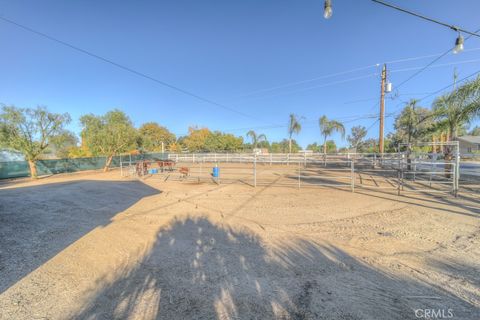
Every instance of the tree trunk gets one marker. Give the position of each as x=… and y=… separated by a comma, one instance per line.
x=107, y=164
x=33, y=169
x=442, y=140
x=325, y=146
x=448, y=155
x=290, y=145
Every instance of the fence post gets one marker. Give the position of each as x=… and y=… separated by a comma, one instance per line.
x=457, y=168
x=255, y=171
x=193, y=157
x=414, y=170
x=121, y=167
x=402, y=172
x=398, y=181
x=271, y=155
x=454, y=187
x=299, y=174
x=398, y=173
x=352, y=175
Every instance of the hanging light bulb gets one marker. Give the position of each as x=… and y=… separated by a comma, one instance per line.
x=327, y=12
x=458, y=44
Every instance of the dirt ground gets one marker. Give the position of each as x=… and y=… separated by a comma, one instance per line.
x=98, y=246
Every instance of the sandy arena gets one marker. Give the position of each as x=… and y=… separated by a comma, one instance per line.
x=97, y=246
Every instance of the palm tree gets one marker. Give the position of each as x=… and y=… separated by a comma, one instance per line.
x=256, y=138
x=458, y=108
x=294, y=127
x=328, y=127
x=455, y=110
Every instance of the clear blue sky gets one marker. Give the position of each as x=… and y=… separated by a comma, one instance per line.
x=230, y=52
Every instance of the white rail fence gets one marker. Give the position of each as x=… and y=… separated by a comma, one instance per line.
x=396, y=171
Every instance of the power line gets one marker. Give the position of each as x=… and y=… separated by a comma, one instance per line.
x=450, y=26
x=366, y=76
x=436, y=66
x=424, y=57
x=450, y=85
x=391, y=98
x=439, y=90
x=430, y=63
x=371, y=126
x=128, y=69
x=315, y=87
x=370, y=75
x=455, y=28
x=296, y=83
x=163, y=83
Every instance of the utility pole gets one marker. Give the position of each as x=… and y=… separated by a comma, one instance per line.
x=382, y=109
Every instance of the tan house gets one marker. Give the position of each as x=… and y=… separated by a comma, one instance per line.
x=469, y=144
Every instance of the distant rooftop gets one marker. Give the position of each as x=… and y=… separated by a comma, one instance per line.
x=470, y=139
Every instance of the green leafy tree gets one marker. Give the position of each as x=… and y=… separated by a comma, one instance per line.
x=30, y=131
x=328, y=127
x=196, y=139
x=314, y=147
x=294, y=127
x=285, y=146
x=109, y=134
x=256, y=139
x=330, y=146
x=81, y=151
x=369, y=145
x=390, y=143
x=264, y=145
x=356, y=136
x=413, y=124
x=221, y=142
x=154, y=137
x=475, y=131
x=63, y=144
x=204, y=140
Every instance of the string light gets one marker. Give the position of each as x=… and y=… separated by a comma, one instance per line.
x=458, y=44
x=327, y=12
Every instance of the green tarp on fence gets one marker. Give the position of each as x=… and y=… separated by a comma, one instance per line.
x=17, y=169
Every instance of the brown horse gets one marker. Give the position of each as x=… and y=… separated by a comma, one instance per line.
x=184, y=171
x=166, y=165
x=141, y=167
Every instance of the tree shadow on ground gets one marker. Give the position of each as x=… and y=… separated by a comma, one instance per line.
x=37, y=222
x=200, y=270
